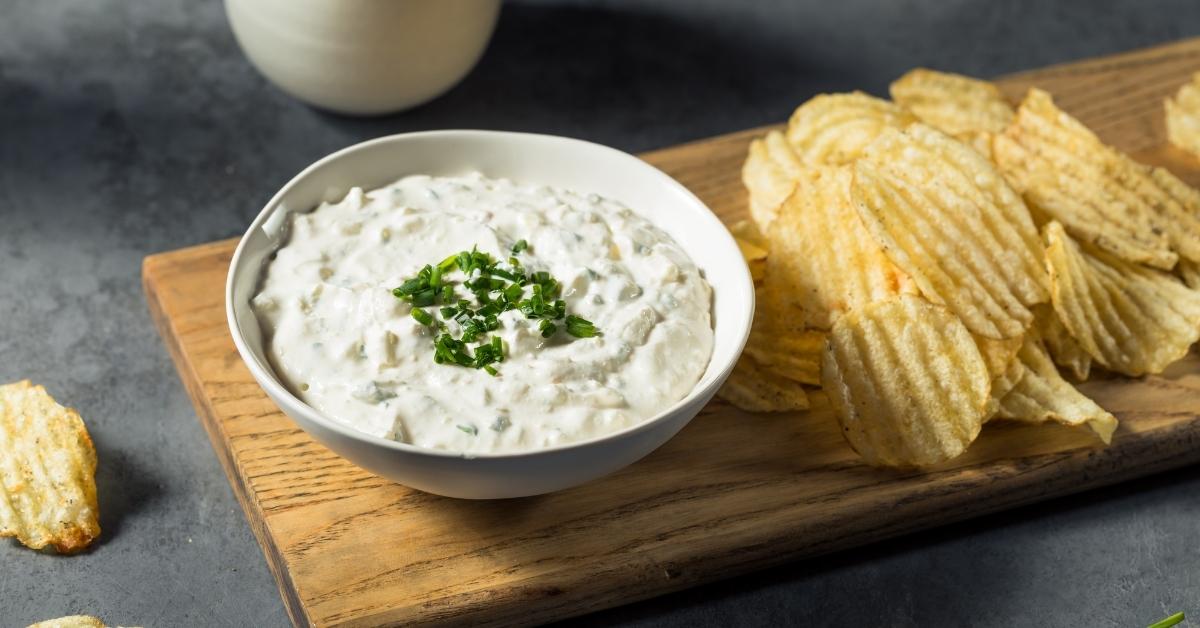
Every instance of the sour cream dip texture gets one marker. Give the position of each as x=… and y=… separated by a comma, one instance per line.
x=342, y=342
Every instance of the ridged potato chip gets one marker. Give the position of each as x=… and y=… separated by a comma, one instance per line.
x=1189, y=272
x=796, y=356
x=1062, y=347
x=756, y=389
x=1005, y=381
x=1067, y=174
x=73, y=621
x=982, y=143
x=1183, y=116
x=823, y=261
x=756, y=258
x=947, y=218
x=1182, y=217
x=47, y=472
x=1041, y=395
x=998, y=355
x=906, y=382
x=952, y=103
x=1132, y=319
x=833, y=129
x=748, y=231
x=770, y=175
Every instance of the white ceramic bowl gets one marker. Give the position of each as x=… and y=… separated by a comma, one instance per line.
x=363, y=56
x=557, y=161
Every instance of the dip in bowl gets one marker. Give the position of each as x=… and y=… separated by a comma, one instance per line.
x=614, y=242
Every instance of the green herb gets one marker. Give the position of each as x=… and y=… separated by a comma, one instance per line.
x=500, y=424
x=581, y=327
x=1167, y=622
x=470, y=429
x=422, y=316
x=496, y=290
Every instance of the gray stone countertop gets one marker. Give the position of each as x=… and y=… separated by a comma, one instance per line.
x=128, y=128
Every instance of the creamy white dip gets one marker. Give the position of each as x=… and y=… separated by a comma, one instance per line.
x=344, y=344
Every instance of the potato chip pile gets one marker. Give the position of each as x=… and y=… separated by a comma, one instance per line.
x=931, y=262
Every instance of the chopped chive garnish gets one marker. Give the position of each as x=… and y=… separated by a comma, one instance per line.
x=470, y=429
x=581, y=327
x=500, y=272
x=422, y=316
x=496, y=290
x=1167, y=622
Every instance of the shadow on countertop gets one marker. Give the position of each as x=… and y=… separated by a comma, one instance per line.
x=125, y=488
x=947, y=590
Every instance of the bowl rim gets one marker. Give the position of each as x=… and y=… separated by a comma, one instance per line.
x=265, y=378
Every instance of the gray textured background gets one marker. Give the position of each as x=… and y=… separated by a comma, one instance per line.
x=133, y=127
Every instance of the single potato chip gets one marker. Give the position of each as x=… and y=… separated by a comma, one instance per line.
x=1181, y=218
x=998, y=355
x=1005, y=381
x=756, y=389
x=833, y=129
x=47, y=472
x=769, y=174
x=952, y=103
x=795, y=356
x=756, y=258
x=1183, y=116
x=982, y=143
x=73, y=621
x=906, y=382
x=747, y=231
x=1189, y=272
x=1041, y=395
x=947, y=218
x=752, y=245
x=1062, y=347
x=1101, y=196
x=1132, y=319
x=823, y=261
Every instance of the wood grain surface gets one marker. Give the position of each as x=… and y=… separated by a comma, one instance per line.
x=733, y=492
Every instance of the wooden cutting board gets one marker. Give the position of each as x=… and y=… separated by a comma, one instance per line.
x=733, y=492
